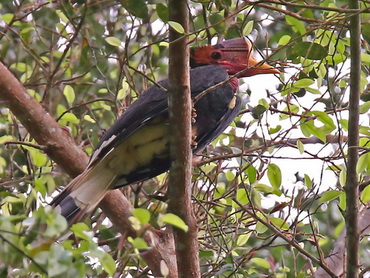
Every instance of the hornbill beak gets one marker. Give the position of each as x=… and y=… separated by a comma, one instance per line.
x=235, y=56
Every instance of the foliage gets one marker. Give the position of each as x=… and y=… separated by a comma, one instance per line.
x=88, y=62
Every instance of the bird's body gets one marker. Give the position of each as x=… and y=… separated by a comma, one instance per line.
x=136, y=147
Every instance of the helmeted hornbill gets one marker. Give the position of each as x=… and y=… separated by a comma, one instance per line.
x=136, y=147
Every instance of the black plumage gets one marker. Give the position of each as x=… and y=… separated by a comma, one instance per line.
x=136, y=147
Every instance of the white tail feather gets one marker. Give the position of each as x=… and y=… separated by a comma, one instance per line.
x=91, y=187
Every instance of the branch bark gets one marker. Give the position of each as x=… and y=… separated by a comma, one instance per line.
x=351, y=188
x=60, y=147
x=180, y=107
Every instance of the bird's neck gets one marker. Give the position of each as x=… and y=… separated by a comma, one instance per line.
x=234, y=83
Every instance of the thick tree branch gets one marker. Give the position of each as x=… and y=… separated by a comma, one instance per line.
x=60, y=147
x=180, y=107
x=351, y=188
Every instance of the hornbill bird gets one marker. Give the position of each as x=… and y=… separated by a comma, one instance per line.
x=136, y=147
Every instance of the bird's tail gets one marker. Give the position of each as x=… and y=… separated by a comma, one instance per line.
x=84, y=193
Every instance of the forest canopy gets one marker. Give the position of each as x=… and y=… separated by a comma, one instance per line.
x=270, y=195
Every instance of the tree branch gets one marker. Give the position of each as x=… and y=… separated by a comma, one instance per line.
x=289, y=240
x=180, y=107
x=335, y=259
x=60, y=147
x=351, y=188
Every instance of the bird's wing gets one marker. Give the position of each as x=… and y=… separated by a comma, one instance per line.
x=136, y=147
x=220, y=125
x=152, y=104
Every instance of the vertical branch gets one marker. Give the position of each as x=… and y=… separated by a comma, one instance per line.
x=180, y=107
x=351, y=188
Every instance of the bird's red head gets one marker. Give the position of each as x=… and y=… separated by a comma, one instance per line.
x=234, y=55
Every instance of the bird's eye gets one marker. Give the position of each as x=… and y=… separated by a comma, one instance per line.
x=216, y=55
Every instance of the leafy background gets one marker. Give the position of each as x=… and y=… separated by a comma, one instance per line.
x=86, y=62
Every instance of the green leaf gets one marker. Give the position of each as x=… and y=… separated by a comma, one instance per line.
x=307, y=181
x=256, y=198
x=342, y=201
x=258, y=110
x=281, y=223
x=252, y=173
x=229, y=175
x=138, y=243
x=143, y=215
x=300, y=147
x=40, y=186
x=103, y=91
x=122, y=93
x=303, y=83
x=261, y=228
x=248, y=28
x=136, y=7
x=291, y=108
x=330, y=195
x=343, y=177
x=364, y=142
x=162, y=12
x=164, y=44
x=174, y=220
x=365, y=107
x=58, y=260
x=313, y=91
x=309, y=128
x=39, y=159
x=284, y=40
x=309, y=50
x=274, y=175
x=264, y=103
x=218, y=22
x=6, y=138
x=273, y=130
x=62, y=16
x=325, y=119
x=206, y=254
x=297, y=25
x=344, y=124
x=7, y=18
x=365, y=195
x=365, y=58
x=105, y=259
x=21, y=67
x=89, y=119
x=363, y=163
x=108, y=264
x=69, y=93
x=242, y=197
x=113, y=41
x=69, y=117
x=242, y=239
x=264, y=188
x=177, y=27
x=80, y=229
x=261, y=262
x=208, y=167
x=26, y=30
